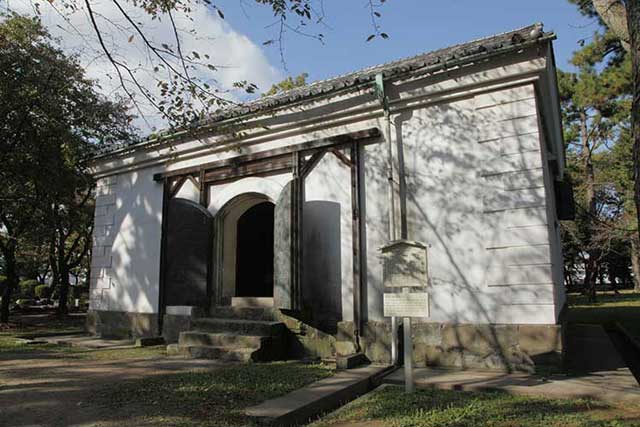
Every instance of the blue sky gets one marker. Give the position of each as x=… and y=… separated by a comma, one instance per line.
x=236, y=43
x=414, y=26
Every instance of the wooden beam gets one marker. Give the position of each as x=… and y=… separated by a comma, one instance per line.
x=204, y=190
x=269, y=165
x=163, y=248
x=175, y=187
x=307, y=166
x=337, y=140
x=340, y=155
x=297, y=238
x=356, y=240
x=193, y=180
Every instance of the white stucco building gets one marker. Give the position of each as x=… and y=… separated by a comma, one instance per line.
x=284, y=203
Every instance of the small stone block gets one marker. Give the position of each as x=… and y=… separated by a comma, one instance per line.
x=183, y=310
x=175, y=350
x=345, y=348
x=149, y=341
x=351, y=361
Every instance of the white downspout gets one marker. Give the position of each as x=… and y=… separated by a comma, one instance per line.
x=391, y=196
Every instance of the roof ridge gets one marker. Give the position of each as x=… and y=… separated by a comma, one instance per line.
x=439, y=57
x=397, y=61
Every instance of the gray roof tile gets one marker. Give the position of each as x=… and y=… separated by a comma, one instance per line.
x=440, y=57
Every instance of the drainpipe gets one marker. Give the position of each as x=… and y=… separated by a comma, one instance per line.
x=384, y=102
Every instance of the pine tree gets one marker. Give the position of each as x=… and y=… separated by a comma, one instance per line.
x=596, y=103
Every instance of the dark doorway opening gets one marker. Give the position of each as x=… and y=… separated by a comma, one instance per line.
x=254, y=252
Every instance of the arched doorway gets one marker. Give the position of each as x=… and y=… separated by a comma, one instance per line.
x=254, y=251
x=265, y=255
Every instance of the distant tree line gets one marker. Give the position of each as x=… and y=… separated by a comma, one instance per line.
x=601, y=247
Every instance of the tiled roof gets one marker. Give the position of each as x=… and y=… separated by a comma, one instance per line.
x=485, y=45
x=434, y=59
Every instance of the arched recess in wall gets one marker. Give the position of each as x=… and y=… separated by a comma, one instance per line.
x=228, y=206
x=268, y=188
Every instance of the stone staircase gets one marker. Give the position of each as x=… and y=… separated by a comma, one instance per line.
x=238, y=334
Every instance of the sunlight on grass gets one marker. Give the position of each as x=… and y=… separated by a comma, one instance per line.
x=212, y=398
x=623, y=308
x=10, y=344
x=390, y=406
x=625, y=298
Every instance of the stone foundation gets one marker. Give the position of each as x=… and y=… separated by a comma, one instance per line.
x=497, y=347
x=304, y=340
x=120, y=324
x=500, y=347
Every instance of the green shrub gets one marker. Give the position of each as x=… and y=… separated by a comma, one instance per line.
x=43, y=291
x=27, y=288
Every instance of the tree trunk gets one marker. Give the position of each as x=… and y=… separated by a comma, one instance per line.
x=633, y=15
x=614, y=16
x=590, y=279
x=11, y=271
x=635, y=262
x=591, y=266
x=63, y=278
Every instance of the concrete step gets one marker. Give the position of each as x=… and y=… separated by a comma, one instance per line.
x=306, y=403
x=245, y=313
x=261, y=302
x=198, y=338
x=226, y=354
x=238, y=326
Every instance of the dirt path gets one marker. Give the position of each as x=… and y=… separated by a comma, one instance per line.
x=44, y=389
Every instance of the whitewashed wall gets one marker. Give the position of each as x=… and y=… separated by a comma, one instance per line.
x=126, y=253
x=476, y=195
x=479, y=194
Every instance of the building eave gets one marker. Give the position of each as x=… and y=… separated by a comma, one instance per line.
x=431, y=62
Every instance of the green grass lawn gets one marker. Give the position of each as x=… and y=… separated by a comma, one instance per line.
x=391, y=407
x=205, y=397
x=12, y=344
x=14, y=339
x=216, y=398
x=41, y=324
x=609, y=307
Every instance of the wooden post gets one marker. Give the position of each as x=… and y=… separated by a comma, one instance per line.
x=356, y=225
x=296, y=240
x=204, y=190
x=166, y=189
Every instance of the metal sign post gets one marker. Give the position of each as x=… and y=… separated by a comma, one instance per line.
x=405, y=267
x=408, y=352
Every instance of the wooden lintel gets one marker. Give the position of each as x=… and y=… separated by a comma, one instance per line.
x=331, y=141
x=250, y=169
